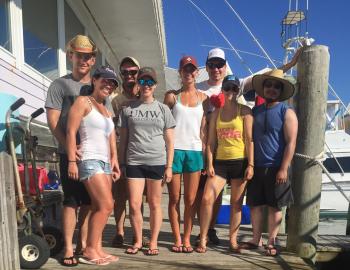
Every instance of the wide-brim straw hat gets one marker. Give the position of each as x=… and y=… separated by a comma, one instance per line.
x=275, y=74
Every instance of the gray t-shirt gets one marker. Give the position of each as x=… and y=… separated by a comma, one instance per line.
x=61, y=96
x=146, y=123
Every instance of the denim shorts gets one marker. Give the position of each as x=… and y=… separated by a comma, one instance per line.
x=90, y=167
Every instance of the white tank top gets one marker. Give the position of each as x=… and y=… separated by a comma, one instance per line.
x=94, y=132
x=188, y=123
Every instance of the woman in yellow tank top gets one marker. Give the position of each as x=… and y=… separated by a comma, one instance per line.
x=230, y=141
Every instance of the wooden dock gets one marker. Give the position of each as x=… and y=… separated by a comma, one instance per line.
x=217, y=257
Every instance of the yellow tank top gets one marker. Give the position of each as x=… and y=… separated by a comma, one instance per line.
x=230, y=138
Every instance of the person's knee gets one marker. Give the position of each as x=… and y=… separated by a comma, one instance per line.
x=207, y=200
x=135, y=206
x=174, y=199
x=154, y=205
x=189, y=200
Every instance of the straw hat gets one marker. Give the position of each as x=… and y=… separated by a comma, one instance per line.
x=82, y=44
x=275, y=74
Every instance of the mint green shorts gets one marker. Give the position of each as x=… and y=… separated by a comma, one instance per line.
x=187, y=161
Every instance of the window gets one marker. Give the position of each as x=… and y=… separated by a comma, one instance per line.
x=4, y=25
x=332, y=166
x=73, y=27
x=40, y=35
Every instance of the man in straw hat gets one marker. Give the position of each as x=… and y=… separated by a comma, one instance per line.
x=275, y=131
x=62, y=92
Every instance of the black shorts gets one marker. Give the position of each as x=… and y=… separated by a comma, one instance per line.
x=202, y=180
x=75, y=193
x=144, y=171
x=230, y=169
x=263, y=190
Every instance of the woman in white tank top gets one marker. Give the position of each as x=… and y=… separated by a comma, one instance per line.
x=187, y=105
x=98, y=165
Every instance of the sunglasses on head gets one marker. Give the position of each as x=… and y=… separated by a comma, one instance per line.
x=218, y=65
x=148, y=82
x=126, y=72
x=275, y=84
x=230, y=87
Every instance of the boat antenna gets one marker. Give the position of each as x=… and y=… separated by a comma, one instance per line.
x=223, y=36
x=250, y=32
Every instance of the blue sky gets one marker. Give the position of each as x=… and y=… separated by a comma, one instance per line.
x=187, y=31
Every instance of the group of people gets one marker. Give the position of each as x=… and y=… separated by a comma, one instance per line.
x=119, y=143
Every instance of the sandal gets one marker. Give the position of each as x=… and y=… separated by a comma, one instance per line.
x=73, y=261
x=132, y=250
x=111, y=258
x=98, y=261
x=235, y=248
x=177, y=249
x=201, y=249
x=187, y=249
x=152, y=252
x=272, y=251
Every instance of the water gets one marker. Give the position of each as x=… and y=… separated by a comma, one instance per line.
x=332, y=226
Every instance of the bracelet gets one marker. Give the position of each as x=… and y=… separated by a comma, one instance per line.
x=72, y=161
x=250, y=165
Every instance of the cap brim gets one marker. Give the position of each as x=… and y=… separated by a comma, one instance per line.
x=107, y=77
x=288, y=87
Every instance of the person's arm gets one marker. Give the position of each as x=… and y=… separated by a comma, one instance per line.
x=204, y=123
x=169, y=99
x=211, y=144
x=114, y=156
x=169, y=142
x=76, y=114
x=248, y=141
x=53, y=116
x=290, y=129
x=293, y=61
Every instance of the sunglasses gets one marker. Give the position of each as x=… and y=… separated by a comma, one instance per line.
x=233, y=88
x=218, y=65
x=84, y=56
x=126, y=72
x=272, y=84
x=148, y=82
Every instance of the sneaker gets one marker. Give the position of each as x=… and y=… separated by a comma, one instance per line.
x=213, y=238
x=118, y=241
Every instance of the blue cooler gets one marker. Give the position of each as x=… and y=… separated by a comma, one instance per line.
x=224, y=212
x=6, y=101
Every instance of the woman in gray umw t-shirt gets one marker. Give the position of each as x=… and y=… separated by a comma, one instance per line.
x=147, y=150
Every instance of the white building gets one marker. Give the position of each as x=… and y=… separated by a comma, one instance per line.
x=33, y=35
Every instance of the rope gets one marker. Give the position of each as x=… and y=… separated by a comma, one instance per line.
x=318, y=160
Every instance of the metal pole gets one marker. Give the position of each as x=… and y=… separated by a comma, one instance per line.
x=312, y=77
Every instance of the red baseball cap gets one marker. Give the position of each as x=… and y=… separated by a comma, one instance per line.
x=188, y=60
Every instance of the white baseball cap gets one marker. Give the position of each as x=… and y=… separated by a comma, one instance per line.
x=216, y=53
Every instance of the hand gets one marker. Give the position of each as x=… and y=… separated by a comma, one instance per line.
x=78, y=152
x=168, y=175
x=281, y=176
x=210, y=171
x=249, y=172
x=73, y=171
x=115, y=169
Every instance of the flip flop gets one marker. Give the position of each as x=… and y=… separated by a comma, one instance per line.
x=152, y=252
x=187, y=249
x=111, y=258
x=177, y=249
x=235, y=249
x=71, y=259
x=132, y=250
x=272, y=251
x=86, y=260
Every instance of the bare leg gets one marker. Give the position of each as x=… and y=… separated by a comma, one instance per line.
x=136, y=187
x=154, y=195
x=256, y=215
x=120, y=196
x=174, y=188
x=99, y=189
x=237, y=194
x=191, y=181
x=216, y=208
x=69, y=221
x=83, y=225
x=213, y=188
x=275, y=219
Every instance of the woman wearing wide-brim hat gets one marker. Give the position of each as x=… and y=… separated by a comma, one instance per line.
x=275, y=131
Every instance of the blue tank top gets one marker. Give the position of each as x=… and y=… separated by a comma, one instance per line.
x=268, y=135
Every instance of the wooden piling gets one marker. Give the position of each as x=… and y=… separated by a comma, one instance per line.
x=312, y=77
x=9, y=256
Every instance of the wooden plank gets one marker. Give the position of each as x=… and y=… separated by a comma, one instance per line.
x=8, y=224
